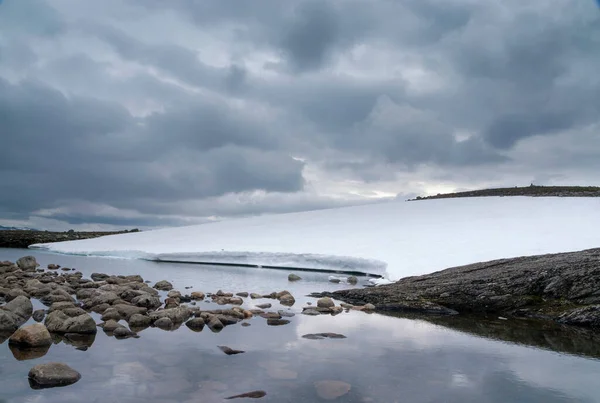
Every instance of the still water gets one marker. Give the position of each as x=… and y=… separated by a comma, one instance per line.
x=383, y=359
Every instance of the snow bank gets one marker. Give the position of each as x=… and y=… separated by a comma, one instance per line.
x=396, y=239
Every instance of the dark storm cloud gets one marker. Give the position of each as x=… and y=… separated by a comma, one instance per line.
x=183, y=107
x=57, y=149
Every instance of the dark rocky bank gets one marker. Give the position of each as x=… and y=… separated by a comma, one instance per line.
x=563, y=287
x=25, y=238
x=532, y=191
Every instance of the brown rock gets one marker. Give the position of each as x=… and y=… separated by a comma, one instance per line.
x=325, y=302
x=35, y=335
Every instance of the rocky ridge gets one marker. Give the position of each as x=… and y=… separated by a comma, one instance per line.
x=25, y=238
x=562, y=287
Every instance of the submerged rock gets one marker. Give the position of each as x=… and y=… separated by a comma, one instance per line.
x=331, y=389
x=51, y=375
x=229, y=350
x=294, y=277
x=277, y=322
x=257, y=394
x=321, y=336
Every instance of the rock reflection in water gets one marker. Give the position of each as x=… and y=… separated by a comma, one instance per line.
x=27, y=353
x=540, y=334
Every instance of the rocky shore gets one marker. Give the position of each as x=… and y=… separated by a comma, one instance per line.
x=125, y=305
x=563, y=288
x=25, y=238
x=532, y=191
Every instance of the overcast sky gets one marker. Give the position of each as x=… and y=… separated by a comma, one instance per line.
x=152, y=113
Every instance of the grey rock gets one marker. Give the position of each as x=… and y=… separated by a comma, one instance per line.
x=587, y=316
x=164, y=323
x=147, y=301
x=124, y=333
x=38, y=315
x=59, y=322
x=163, y=285
x=176, y=315
x=214, y=324
x=27, y=263
x=294, y=277
x=52, y=374
x=15, y=313
x=352, y=280
x=139, y=321
x=110, y=325
x=196, y=324
x=563, y=287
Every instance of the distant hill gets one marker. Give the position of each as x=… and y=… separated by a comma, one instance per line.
x=533, y=191
x=3, y=228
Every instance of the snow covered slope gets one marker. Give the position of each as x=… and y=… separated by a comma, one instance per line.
x=400, y=238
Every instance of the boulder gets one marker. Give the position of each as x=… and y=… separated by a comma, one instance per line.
x=99, y=276
x=52, y=374
x=177, y=315
x=294, y=277
x=174, y=294
x=110, y=326
x=124, y=333
x=126, y=311
x=171, y=303
x=227, y=320
x=214, y=324
x=27, y=263
x=14, y=293
x=352, y=280
x=38, y=315
x=163, y=285
x=15, y=313
x=139, y=321
x=111, y=314
x=197, y=295
x=35, y=335
x=102, y=297
x=147, y=301
x=53, y=266
x=263, y=306
x=196, y=324
x=164, y=323
x=287, y=300
x=59, y=322
x=325, y=302
x=242, y=294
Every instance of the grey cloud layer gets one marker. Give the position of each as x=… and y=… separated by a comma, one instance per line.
x=179, y=109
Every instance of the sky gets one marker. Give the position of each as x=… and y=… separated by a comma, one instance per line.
x=150, y=113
